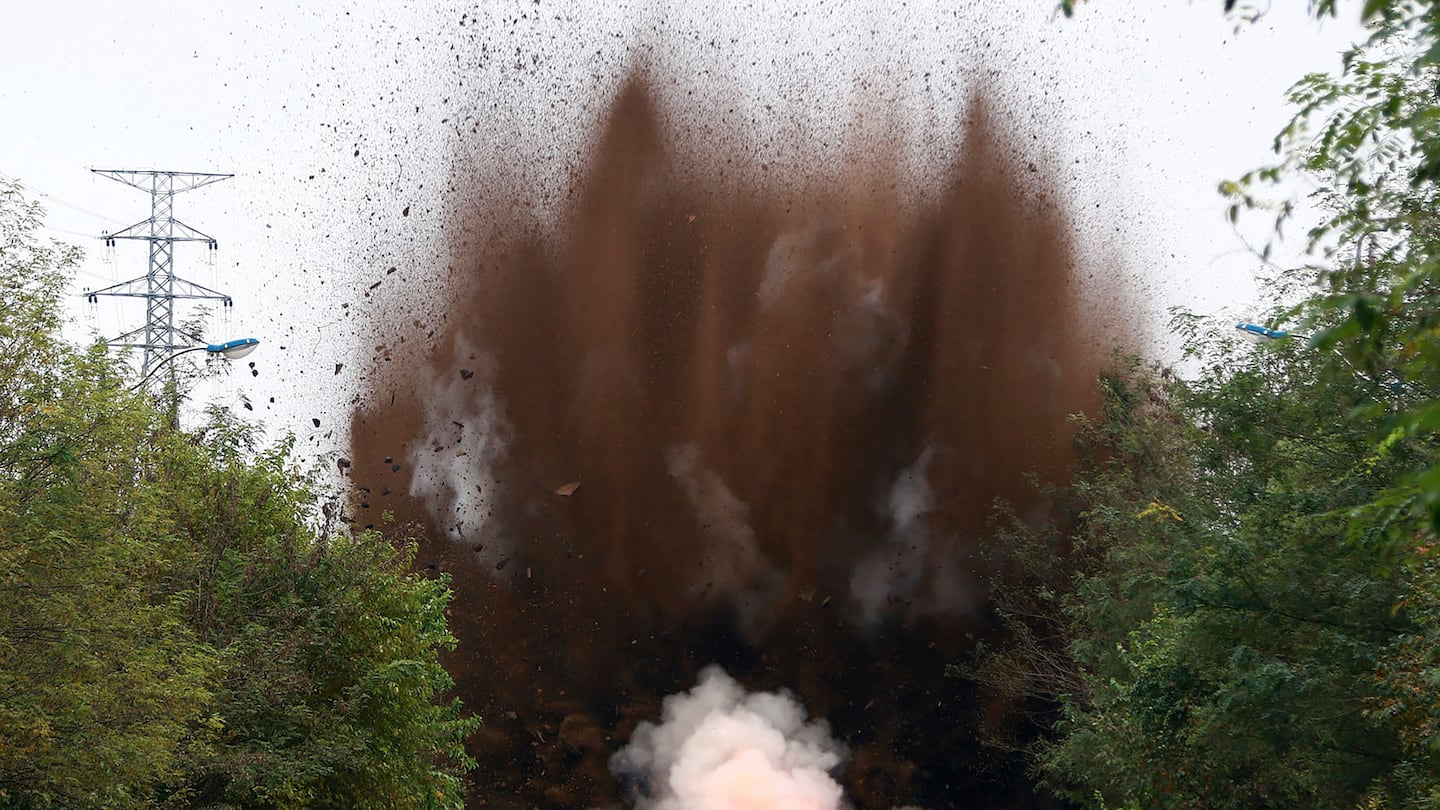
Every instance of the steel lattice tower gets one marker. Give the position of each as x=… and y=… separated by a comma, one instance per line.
x=159, y=287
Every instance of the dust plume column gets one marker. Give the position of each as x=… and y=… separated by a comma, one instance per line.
x=788, y=407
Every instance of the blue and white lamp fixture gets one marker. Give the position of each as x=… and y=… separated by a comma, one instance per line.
x=1255, y=333
x=230, y=350
x=233, y=349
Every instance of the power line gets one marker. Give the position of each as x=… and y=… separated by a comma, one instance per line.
x=92, y=274
x=69, y=232
x=53, y=198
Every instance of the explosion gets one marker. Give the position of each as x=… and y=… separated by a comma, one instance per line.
x=706, y=418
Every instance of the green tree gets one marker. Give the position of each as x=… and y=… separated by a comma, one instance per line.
x=180, y=625
x=100, y=679
x=327, y=642
x=1218, y=637
x=1249, y=613
x=1370, y=136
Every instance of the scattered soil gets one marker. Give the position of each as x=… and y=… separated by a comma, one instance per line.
x=702, y=423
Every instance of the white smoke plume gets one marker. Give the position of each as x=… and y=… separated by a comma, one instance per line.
x=894, y=570
x=718, y=747
x=464, y=435
x=734, y=565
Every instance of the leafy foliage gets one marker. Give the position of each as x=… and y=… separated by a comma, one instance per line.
x=1370, y=136
x=176, y=628
x=1224, y=641
x=328, y=645
x=1248, y=617
x=101, y=680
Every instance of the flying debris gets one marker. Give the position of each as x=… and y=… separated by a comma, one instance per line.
x=752, y=397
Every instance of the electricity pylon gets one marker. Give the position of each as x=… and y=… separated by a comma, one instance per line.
x=159, y=287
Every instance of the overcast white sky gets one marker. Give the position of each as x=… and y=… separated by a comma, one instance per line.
x=1148, y=105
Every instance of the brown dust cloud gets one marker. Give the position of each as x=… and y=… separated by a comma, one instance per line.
x=703, y=422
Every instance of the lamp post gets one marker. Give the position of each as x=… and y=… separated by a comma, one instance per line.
x=1261, y=334
x=230, y=350
x=1256, y=333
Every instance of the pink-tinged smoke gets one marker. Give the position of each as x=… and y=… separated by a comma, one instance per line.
x=718, y=747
